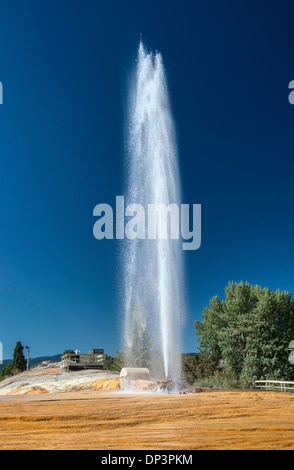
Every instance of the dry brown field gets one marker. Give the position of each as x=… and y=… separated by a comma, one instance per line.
x=113, y=420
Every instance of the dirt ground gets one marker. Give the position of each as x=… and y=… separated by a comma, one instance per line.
x=113, y=420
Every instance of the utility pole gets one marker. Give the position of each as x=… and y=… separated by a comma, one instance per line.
x=28, y=357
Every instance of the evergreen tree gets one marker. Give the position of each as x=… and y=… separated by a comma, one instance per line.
x=18, y=362
x=115, y=363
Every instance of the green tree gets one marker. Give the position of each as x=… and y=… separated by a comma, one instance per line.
x=68, y=351
x=197, y=367
x=250, y=330
x=7, y=371
x=115, y=363
x=18, y=362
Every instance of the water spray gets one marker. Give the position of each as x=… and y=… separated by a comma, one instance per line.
x=152, y=269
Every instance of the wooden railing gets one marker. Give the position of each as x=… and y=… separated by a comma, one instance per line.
x=80, y=361
x=275, y=385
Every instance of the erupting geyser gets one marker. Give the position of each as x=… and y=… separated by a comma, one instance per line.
x=152, y=269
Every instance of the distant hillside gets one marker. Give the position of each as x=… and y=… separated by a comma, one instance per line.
x=189, y=354
x=35, y=360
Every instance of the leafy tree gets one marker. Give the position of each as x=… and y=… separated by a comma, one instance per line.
x=250, y=330
x=7, y=371
x=18, y=362
x=115, y=363
x=197, y=367
x=68, y=351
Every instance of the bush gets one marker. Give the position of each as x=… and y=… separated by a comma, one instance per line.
x=197, y=367
x=200, y=370
x=7, y=371
x=114, y=364
x=17, y=365
x=224, y=379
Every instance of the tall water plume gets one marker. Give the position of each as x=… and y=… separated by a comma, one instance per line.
x=153, y=271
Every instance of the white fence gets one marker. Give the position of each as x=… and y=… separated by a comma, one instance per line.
x=275, y=385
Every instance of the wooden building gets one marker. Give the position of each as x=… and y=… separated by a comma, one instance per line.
x=92, y=360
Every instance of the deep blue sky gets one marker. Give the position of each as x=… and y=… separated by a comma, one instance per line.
x=65, y=67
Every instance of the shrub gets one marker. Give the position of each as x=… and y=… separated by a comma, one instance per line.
x=7, y=371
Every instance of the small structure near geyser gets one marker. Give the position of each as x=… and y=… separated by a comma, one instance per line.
x=127, y=374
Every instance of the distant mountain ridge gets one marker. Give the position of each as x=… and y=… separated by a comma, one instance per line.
x=35, y=360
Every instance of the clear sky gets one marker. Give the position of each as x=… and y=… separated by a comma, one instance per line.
x=65, y=66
